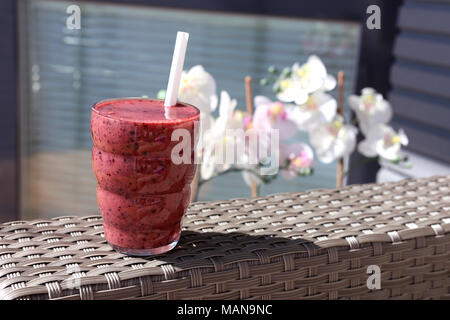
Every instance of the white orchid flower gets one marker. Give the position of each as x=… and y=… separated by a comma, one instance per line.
x=333, y=140
x=215, y=138
x=318, y=109
x=313, y=76
x=303, y=80
x=291, y=90
x=273, y=115
x=370, y=109
x=383, y=141
x=238, y=120
x=198, y=87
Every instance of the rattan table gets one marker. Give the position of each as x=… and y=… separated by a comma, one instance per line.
x=311, y=245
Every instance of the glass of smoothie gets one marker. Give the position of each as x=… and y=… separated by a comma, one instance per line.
x=142, y=193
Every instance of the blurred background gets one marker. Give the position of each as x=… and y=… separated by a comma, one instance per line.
x=51, y=76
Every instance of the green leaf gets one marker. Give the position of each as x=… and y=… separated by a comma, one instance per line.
x=287, y=72
x=272, y=70
x=276, y=88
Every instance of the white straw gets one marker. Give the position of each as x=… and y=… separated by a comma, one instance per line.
x=176, y=69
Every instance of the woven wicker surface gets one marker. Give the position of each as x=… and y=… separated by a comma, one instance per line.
x=311, y=245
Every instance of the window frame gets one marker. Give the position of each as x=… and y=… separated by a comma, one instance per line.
x=373, y=67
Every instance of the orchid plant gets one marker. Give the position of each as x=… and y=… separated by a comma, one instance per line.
x=303, y=103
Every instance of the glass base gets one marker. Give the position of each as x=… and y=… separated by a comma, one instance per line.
x=145, y=252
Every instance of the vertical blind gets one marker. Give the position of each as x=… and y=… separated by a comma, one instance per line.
x=420, y=77
x=123, y=51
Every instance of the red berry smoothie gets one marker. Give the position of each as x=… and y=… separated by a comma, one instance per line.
x=141, y=193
